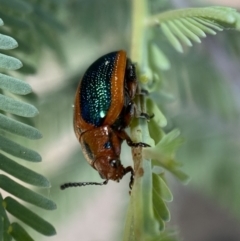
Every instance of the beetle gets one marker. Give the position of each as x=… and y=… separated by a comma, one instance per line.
x=103, y=109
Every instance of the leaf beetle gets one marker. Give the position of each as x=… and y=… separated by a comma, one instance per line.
x=103, y=109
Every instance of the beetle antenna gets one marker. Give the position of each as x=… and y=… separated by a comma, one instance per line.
x=80, y=184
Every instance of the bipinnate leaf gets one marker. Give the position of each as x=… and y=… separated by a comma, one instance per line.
x=25, y=194
x=10, y=63
x=182, y=26
x=17, y=5
x=28, y=217
x=19, y=151
x=14, y=85
x=24, y=174
x=158, y=117
x=160, y=207
x=19, y=233
x=16, y=107
x=7, y=42
x=19, y=128
x=6, y=223
x=161, y=188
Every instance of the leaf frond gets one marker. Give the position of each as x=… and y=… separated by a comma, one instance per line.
x=10, y=105
x=19, y=233
x=164, y=152
x=24, y=193
x=29, y=16
x=16, y=5
x=184, y=26
x=28, y=217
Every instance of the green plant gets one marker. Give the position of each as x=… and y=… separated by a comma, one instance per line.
x=12, y=108
x=33, y=24
x=147, y=210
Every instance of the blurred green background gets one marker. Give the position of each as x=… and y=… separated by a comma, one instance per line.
x=200, y=96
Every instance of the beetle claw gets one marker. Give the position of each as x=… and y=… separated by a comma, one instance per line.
x=146, y=116
x=137, y=144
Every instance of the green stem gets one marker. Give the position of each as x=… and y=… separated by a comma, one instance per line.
x=139, y=15
x=140, y=219
x=134, y=221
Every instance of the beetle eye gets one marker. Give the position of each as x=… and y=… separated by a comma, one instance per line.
x=114, y=163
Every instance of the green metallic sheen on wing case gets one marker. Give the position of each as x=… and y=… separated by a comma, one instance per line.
x=95, y=96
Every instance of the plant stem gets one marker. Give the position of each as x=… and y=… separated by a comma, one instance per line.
x=134, y=229
x=139, y=14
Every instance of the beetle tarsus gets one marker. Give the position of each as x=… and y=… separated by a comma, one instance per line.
x=137, y=144
x=146, y=116
x=127, y=170
x=143, y=92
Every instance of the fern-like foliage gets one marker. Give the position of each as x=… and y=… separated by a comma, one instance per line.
x=182, y=27
x=37, y=23
x=187, y=25
x=10, y=149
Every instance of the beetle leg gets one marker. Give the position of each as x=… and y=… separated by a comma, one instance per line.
x=128, y=114
x=146, y=116
x=139, y=114
x=131, y=79
x=143, y=92
x=130, y=169
x=142, y=114
x=124, y=136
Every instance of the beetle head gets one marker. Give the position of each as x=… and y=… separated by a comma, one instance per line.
x=109, y=168
x=102, y=147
